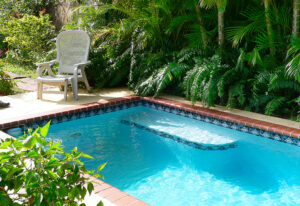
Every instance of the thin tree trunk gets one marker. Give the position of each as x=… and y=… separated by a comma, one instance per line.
x=269, y=25
x=221, y=29
x=202, y=30
x=295, y=18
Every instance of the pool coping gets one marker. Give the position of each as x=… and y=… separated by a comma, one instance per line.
x=274, y=131
x=225, y=116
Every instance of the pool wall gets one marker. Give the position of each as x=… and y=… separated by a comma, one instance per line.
x=256, y=127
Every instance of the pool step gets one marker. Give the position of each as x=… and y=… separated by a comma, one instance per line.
x=198, y=145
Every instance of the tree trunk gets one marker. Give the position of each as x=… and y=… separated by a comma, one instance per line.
x=295, y=18
x=269, y=26
x=221, y=29
x=61, y=13
x=202, y=30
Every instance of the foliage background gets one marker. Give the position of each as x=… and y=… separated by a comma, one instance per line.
x=240, y=53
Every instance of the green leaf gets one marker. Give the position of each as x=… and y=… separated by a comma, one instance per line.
x=100, y=203
x=44, y=130
x=38, y=199
x=90, y=187
x=76, y=169
x=11, y=172
x=34, y=185
x=74, y=193
x=58, y=203
x=5, y=158
x=30, y=141
x=35, y=178
x=101, y=167
x=52, y=174
x=53, y=163
x=56, y=145
x=86, y=155
x=32, y=154
x=62, y=190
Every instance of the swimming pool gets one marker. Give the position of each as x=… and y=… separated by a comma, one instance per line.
x=145, y=160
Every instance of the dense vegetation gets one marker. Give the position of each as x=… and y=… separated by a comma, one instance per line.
x=35, y=171
x=240, y=53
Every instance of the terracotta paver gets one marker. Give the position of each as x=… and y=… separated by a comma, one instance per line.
x=27, y=84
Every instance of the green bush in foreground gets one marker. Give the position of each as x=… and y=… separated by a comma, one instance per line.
x=34, y=171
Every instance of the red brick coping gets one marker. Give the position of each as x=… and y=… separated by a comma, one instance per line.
x=115, y=195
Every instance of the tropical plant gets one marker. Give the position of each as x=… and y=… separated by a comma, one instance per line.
x=256, y=68
x=35, y=171
x=202, y=81
x=293, y=66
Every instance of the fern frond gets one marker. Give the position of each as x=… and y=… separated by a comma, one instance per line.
x=177, y=22
x=158, y=81
x=167, y=75
x=236, y=94
x=274, y=105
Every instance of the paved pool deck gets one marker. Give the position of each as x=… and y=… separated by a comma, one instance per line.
x=26, y=104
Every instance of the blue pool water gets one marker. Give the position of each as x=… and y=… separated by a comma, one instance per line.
x=160, y=171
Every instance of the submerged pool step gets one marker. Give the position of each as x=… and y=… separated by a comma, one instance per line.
x=198, y=145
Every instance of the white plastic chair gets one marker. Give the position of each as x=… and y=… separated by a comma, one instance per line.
x=72, y=56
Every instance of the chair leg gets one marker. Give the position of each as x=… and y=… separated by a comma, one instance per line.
x=61, y=88
x=75, y=89
x=40, y=90
x=87, y=85
x=66, y=90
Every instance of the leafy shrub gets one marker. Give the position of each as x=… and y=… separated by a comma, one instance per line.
x=201, y=82
x=16, y=8
x=6, y=83
x=28, y=38
x=34, y=171
x=3, y=46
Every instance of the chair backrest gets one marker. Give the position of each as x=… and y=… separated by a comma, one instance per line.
x=72, y=48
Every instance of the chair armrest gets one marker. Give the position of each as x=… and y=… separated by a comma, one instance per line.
x=46, y=63
x=82, y=64
x=81, y=67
